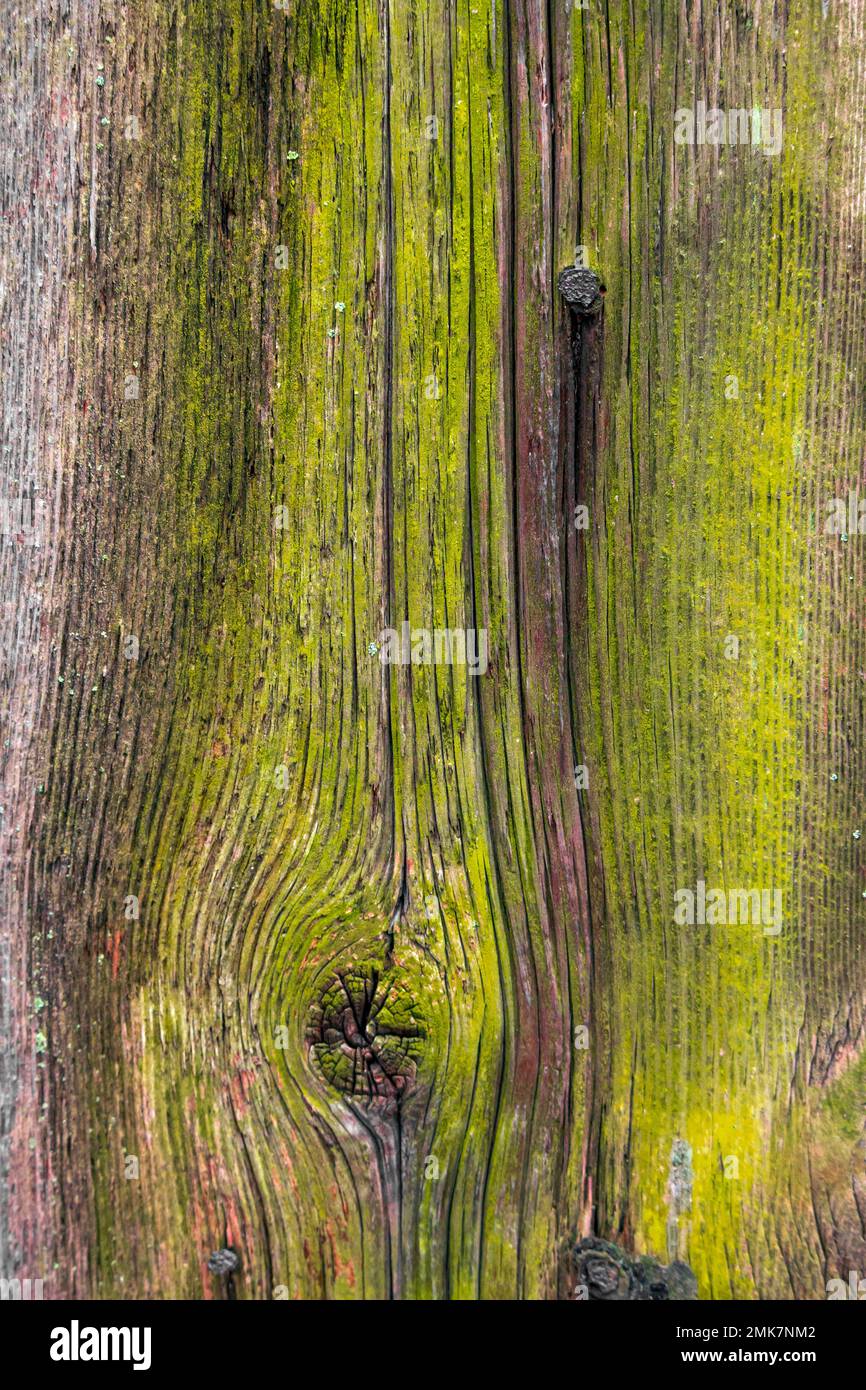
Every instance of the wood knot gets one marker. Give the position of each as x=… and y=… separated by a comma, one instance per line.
x=366, y=1036
x=581, y=289
x=601, y=1272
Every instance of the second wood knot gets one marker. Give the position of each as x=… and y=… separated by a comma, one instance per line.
x=581, y=289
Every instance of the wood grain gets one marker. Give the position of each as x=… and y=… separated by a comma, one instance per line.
x=334, y=962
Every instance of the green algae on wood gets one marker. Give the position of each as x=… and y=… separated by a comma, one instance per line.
x=256, y=805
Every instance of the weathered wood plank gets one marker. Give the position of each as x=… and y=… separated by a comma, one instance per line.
x=333, y=960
